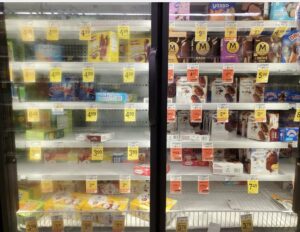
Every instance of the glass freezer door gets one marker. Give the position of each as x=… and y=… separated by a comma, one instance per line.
x=79, y=75
x=232, y=131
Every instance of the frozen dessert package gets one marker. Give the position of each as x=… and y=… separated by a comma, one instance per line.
x=139, y=50
x=252, y=11
x=112, y=97
x=223, y=92
x=86, y=91
x=65, y=201
x=66, y=90
x=240, y=51
x=29, y=208
x=105, y=207
x=103, y=47
x=179, y=47
x=286, y=203
x=261, y=161
x=140, y=207
x=48, y=52
x=191, y=92
x=250, y=91
x=267, y=49
x=60, y=155
x=192, y=157
x=291, y=47
x=206, y=52
x=221, y=11
x=179, y=11
x=283, y=10
x=44, y=134
x=94, y=137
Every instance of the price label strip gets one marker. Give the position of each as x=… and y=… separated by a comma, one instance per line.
x=263, y=72
x=230, y=31
x=132, y=151
x=297, y=113
x=118, y=223
x=27, y=33
x=124, y=32
x=97, y=152
x=171, y=113
x=88, y=74
x=170, y=73
x=246, y=223
x=57, y=109
x=35, y=153
x=130, y=114
x=55, y=75
x=257, y=29
x=182, y=224
x=31, y=224
x=228, y=74
x=203, y=184
x=125, y=184
x=33, y=115
x=86, y=223
x=91, y=114
x=46, y=185
x=85, y=32
x=280, y=30
x=29, y=74
x=201, y=32
x=222, y=113
x=91, y=184
x=260, y=113
x=52, y=32
x=192, y=72
x=175, y=184
x=176, y=151
x=207, y=151
x=128, y=74
x=253, y=186
x=196, y=113
x=57, y=223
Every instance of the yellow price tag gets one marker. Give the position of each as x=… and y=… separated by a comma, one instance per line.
x=132, y=152
x=201, y=33
x=262, y=75
x=33, y=115
x=86, y=223
x=279, y=31
x=230, y=31
x=46, y=186
x=124, y=32
x=182, y=224
x=27, y=33
x=11, y=77
x=52, y=33
x=125, y=185
x=297, y=115
x=91, y=115
x=97, y=152
x=29, y=74
x=91, y=185
x=31, y=225
x=85, y=32
x=260, y=113
x=88, y=74
x=57, y=224
x=128, y=75
x=256, y=30
x=253, y=186
x=222, y=114
x=246, y=223
x=118, y=223
x=55, y=75
x=129, y=115
x=35, y=153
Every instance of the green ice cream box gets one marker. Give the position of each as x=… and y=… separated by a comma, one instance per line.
x=44, y=134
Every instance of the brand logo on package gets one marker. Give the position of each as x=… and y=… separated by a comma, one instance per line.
x=233, y=47
x=262, y=48
x=294, y=36
x=220, y=5
x=202, y=48
x=173, y=47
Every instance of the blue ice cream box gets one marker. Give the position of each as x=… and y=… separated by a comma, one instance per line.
x=111, y=97
x=64, y=91
x=283, y=10
x=86, y=91
x=288, y=134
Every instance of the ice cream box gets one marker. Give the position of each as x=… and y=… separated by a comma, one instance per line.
x=48, y=52
x=289, y=134
x=263, y=131
x=250, y=91
x=103, y=47
x=60, y=155
x=192, y=157
x=223, y=92
x=179, y=11
x=227, y=168
x=44, y=134
x=111, y=97
x=108, y=187
x=252, y=11
x=64, y=91
x=290, y=47
x=283, y=10
x=94, y=137
x=29, y=208
x=267, y=49
x=271, y=95
x=221, y=11
x=64, y=201
x=206, y=52
x=86, y=92
x=139, y=49
x=179, y=47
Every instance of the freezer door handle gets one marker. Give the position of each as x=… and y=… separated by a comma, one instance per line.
x=152, y=112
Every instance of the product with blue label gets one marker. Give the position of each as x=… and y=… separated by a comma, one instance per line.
x=86, y=91
x=290, y=47
x=288, y=134
x=220, y=11
x=283, y=10
x=48, y=52
x=111, y=97
x=64, y=91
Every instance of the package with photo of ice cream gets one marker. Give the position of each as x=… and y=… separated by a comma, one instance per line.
x=267, y=49
x=206, y=52
x=283, y=10
x=179, y=47
x=250, y=91
x=179, y=11
x=252, y=11
x=291, y=47
x=221, y=11
x=222, y=92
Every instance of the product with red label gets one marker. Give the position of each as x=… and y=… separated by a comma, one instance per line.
x=192, y=157
x=144, y=169
x=290, y=47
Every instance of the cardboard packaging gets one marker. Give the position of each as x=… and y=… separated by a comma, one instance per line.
x=283, y=10
x=206, y=52
x=250, y=91
x=139, y=50
x=267, y=50
x=179, y=47
x=103, y=47
x=252, y=11
x=179, y=11
x=221, y=11
x=222, y=93
x=290, y=47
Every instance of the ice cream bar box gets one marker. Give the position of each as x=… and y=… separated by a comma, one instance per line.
x=44, y=134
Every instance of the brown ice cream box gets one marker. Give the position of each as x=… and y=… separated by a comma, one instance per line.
x=267, y=49
x=179, y=47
